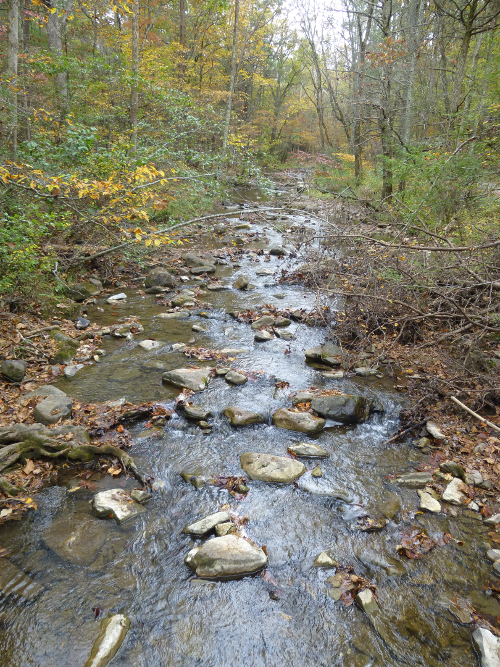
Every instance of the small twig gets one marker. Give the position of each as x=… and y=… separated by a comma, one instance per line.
x=36, y=332
x=401, y=433
x=474, y=414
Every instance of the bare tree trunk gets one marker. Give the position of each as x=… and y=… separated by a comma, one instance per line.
x=134, y=92
x=462, y=56
x=55, y=28
x=227, y=118
x=12, y=67
x=182, y=22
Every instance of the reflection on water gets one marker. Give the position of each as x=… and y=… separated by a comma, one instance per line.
x=138, y=568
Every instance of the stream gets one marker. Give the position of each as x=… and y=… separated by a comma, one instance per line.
x=138, y=568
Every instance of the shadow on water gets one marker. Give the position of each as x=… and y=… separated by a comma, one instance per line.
x=137, y=568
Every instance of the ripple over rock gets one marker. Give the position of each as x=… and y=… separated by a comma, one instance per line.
x=297, y=421
x=269, y=468
x=226, y=556
x=195, y=379
x=343, y=408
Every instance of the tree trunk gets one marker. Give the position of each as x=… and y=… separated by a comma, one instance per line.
x=227, y=119
x=12, y=68
x=55, y=28
x=134, y=92
x=182, y=22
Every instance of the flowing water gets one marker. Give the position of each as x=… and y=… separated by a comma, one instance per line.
x=138, y=568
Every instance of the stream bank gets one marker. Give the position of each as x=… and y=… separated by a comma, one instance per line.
x=356, y=512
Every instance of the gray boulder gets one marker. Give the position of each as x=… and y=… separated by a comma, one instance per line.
x=192, y=259
x=263, y=336
x=264, y=321
x=308, y=449
x=278, y=250
x=66, y=348
x=321, y=352
x=45, y=390
x=303, y=422
x=207, y=524
x=81, y=291
x=242, y=417
x=52, y=409
x=196, y=379
x=196, y=412
x=198, y=270
x=13, y=369
x=269, y=468
x=159, y=277
x=344, y=408
x=241, y=282
x=226, y=556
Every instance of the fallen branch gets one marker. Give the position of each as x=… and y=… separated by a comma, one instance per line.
x=164, y=230
x=401, y=433
x=474, y=414
x=35, y=332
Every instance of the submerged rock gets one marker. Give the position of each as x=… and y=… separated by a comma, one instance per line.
x=308, y=449
x=342, y=408
x=303, y=422
x=77, y=538
x=116, y=504
x=226, y=556
x=13, y=369
x=269, y=468
x=319, y=486
x=14, y=581
x=242, y=417
x=195, y=379
x=206, y=524
x=111, y=636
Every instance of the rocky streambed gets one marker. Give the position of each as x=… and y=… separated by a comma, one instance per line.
x=282, y=528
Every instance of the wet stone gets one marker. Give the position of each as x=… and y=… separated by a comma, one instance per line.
x=302, y=397
x=264, y=321
x=111, y=636
x=241, y=282
x=487, y=647
x=227, y=528
x=492, y=520
x=263, y=336
x=242, y=417
x=207, y=524
x=195, y=379
x=235, y=378
x=269, y=468
x=427, y=502
x=415, y=480
x=116, y=504
x=324, y=559
x=196, y=412
x=159, y=277
x=140, y=496
x=367, y=602
x=303, y=422
x=322, y=487
x=308, y=449
x=149, y=344
x=226, y=556
x=317, y=472
x=454, y=468
x=343, y=408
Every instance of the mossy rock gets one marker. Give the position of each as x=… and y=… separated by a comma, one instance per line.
x=65, y=347
x=81, y=291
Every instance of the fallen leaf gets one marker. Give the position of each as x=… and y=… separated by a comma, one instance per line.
x=29, y=467
x=114, y=471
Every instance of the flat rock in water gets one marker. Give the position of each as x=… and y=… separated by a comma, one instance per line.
x=199, y=270
x=487, y=646
x=324, y=560
x=367, y=602
x=453, y=493
x=13, y=581
x=196, y=379
x=206, y=524
x=263, y=336
x=320, y=351
x=278, y=251
x=415, y=480
x=192, y=259
x=242, y=417
x=116, y=504
x=226, y=556
x=76, y=538
x=112, y=633
x=319, y=486
x=308, y=449
x=303, y=422
x=265, y=272
x=196, y=412
x=427, y=502
x=343, y=408
x=13, y=369
x=117, y=297
x=269, y=468
x=52, y=409
x=178, y=315
x=302, y=397
x=264, y=321
x=241, y=282
x=235, y=378
x=149, y=344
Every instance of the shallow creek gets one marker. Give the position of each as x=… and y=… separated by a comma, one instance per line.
x=138, y=568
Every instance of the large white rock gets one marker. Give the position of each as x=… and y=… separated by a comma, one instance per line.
x=195, y=379
x=427, y=502
x=453, y=493
x=116, y=504
x=149, y=344
x=486, y=644
x=226, y=556
x=269, y=468
x=111, y=635
x=206, y=524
